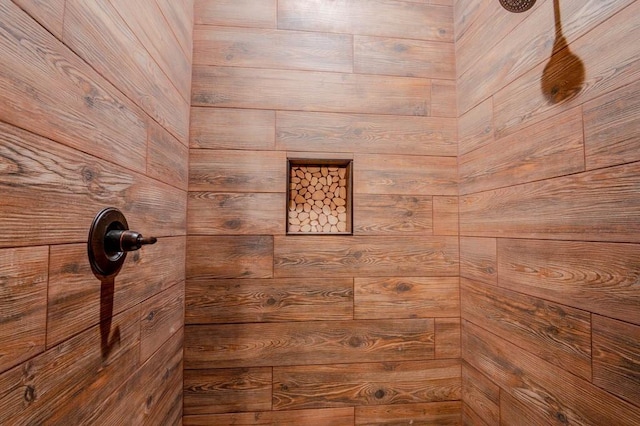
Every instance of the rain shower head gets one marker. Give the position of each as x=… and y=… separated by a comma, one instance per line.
x=517, y=6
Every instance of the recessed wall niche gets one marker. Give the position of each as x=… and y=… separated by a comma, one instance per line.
x=319, y=199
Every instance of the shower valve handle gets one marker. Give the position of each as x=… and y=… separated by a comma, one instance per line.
x=110, y=239
x=123, y=240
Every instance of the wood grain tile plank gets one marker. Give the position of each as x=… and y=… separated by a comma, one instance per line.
x=610, y=62
x=448, y=334
x=495, y=66
x=375, y=214
x=380, y=298
x=307, y=342
x=236, y=13
x=445, y=215
x=44, y=175
x=554, y=394
x=65, y=98
x=599, y=205
x=154, y=208
x=324, y=416
x=161, y=317
x=443, y=99
x=553, y=148
x=39, y=391
x=365, y=133
x=481, y=395
x=237, y=171
x=162, y=378
x=333, y=256
x=23, y=290
x=616, y=357
x=210, y=213
x=152, y=29
x=405, y=175
x=320, y=156
x=167, y=157
x=490, y=54
x=74, y=297
x=556, y=333
x=427, y=413
x=265, y=48
x=369, y=17
x=50, y=13
x=180, y=16
x=344, y=385
x=597, y=277
x=227, y=128
x=478, y=259
x=268, y=300
x=97, y=33
x=465, y=14
x=152, y=395
x=612, y=127
x=170, y=411
x=403, y=57
x=474, y=37
x=475, y=127
x=514, y=411
x=470, y=417
x=223, y=390
x=229, y=257
x=296, y=90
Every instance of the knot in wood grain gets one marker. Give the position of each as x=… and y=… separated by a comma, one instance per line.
x=30, y=394
x=149, y=402
x=356, y=341
x=87, y=174
x=403, y=287
x=167, y=374
x=552, y=330
x=28, y=371
x=356, y=255
x=399, y=47
x=88, y=100
x=271, y=301
x=69, y=268
x=233, y=224
x=562, y=418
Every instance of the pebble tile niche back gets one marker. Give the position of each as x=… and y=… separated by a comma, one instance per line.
x=319, y=199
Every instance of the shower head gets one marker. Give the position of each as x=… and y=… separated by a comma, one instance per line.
x=517, y=6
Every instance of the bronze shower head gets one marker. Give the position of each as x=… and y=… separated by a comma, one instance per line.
x=517, y=6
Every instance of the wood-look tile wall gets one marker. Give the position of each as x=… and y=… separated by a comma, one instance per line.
x=94, y=107
x=474, y=197
x=549, y=215
x=360, y=329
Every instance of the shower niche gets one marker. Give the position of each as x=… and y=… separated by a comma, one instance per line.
x=319, y=196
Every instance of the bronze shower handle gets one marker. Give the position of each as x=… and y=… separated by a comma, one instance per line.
x=110, y=240
x=118, y=240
